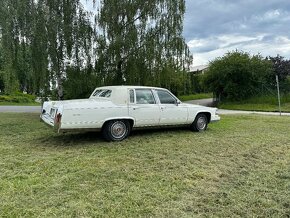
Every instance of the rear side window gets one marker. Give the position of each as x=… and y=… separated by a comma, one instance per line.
x=104, y=93
x=97, y=92
x=144, y=96
x=165, y=97
x=132, y=97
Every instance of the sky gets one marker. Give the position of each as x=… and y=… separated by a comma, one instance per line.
x=214, y=27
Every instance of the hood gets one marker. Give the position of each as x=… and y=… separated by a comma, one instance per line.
x=201, y=107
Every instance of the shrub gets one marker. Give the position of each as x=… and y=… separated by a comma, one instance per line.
x=18, y=97
x=237, y=76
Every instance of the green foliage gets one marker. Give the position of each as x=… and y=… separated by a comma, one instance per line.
x=37, y=38
x=43, y=43
x=259, y=103
x=237, y=75
x=196, y=81
x=79, y=84
x=195, y=96
x=17, y=97
x=281, y=67
x=141, y=42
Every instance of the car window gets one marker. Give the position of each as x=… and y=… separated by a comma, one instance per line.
x=144, y=96
x=105, y=94
x=132, y=97
x=97, y=92
x=165, y=97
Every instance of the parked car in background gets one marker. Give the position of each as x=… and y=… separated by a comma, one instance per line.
x=117, y=110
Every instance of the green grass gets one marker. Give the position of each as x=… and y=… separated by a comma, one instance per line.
x=260, y=103
x=195, y=96
x=19, y=104
x=240, y=167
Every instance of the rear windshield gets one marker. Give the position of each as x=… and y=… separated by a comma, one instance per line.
x=104, y=93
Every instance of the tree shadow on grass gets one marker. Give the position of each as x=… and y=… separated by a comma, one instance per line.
x=75, y=139
x=154, y=131
x=72, y=139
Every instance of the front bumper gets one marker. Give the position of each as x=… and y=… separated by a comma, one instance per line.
x=215, y=118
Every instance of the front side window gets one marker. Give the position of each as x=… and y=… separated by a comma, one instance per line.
x=144, y=96
x=165, y=97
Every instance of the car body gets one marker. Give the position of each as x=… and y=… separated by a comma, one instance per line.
x=116, y=110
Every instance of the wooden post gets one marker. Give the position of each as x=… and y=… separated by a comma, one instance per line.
x=278, y=90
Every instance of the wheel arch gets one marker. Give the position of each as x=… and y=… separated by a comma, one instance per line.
x=206, y=113
x=129, y=119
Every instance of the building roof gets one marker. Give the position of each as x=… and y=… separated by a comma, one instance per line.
x=198, y=68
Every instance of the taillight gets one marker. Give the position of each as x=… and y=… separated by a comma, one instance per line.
x=58, y=118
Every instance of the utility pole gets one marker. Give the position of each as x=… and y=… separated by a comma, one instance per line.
x=278, y=90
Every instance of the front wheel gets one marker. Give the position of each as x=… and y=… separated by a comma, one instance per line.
x=200, y=123
x=116, y=130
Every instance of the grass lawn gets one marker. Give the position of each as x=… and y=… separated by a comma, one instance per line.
x=19, y=104
x=255, y=107
x=195, y=96
x=239, y=167
x=261, y=103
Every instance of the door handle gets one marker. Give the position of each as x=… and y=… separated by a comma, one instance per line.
x=163, y=107
x=135, y=108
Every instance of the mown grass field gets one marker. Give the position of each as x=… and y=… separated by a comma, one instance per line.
x=240, y=167
x=259, y=103
x=19, y=104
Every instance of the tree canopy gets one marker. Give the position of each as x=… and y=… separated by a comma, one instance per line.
x=238, y=75
x=49, y=45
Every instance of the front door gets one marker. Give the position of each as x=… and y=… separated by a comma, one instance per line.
x=143, y=108
x=171, y=113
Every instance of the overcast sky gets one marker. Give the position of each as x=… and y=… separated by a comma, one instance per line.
x=213, y=27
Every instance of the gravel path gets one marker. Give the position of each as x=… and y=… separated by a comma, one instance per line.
x=209, y=101
x=20, y=109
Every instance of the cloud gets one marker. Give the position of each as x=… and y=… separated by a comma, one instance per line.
x=213, y=27
x=267, y=45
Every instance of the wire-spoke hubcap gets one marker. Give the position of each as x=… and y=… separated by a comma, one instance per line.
x=118, y=129
x=201, y=123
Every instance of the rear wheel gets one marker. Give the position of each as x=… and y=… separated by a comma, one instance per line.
x=116, y=130
x=200, y=123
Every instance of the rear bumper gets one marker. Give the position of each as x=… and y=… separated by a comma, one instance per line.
x=50, y=122
x=47, y=119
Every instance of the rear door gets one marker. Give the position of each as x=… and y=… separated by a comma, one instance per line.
x=143, y=107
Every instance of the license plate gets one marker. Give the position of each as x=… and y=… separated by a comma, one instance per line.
x=52, y=112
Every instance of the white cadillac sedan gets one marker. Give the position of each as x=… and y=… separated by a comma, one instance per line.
x=116, y=110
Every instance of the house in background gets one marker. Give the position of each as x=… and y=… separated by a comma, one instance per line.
x=201, y=69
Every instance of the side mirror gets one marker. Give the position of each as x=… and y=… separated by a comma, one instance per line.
x=178, y=103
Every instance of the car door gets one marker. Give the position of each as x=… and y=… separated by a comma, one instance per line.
x=143, y=107
x=171, y=112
